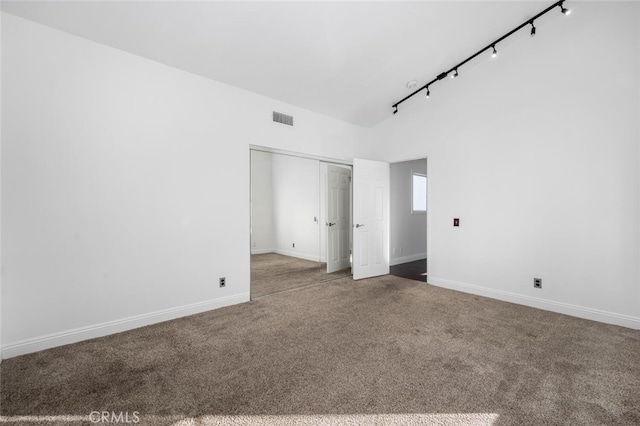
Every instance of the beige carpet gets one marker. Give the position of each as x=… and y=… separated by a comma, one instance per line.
x=378, y=351
x=273, y=273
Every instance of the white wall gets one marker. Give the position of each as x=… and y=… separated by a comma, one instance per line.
x=407, y=231
x=126, y=186
x=296, y=202
x=1, y=133
x=537, y=153
x=262, y=224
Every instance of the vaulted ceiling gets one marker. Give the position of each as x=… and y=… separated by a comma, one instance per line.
x=347, y=60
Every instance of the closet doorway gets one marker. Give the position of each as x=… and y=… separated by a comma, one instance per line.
x=301, y=229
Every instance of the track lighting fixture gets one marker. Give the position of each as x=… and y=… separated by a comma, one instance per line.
x=563, y=9
x=453, y=72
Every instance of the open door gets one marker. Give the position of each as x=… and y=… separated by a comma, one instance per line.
x=371, y=218
x=338, y=218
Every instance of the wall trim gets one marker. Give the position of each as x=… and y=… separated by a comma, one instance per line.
x=305, y=256
x=301, y=155
x=104, y=329
x=405, y=259
x=535, y=302
x=263, y=251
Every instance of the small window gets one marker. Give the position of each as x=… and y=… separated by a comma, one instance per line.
x=419, y=194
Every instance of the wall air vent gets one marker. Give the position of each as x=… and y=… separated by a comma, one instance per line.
x=279, y=117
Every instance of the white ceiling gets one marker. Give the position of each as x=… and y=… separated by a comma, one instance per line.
x=347, y=60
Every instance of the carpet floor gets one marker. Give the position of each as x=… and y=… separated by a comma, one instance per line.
x=273, y=273
x=379, y=351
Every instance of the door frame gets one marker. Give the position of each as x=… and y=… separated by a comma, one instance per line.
x=299, y=154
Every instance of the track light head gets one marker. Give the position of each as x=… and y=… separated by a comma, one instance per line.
x=395, y=109
x=495, y=52
x=564, y=10
x=533, y=29
x=428, y=92
x=455, y=73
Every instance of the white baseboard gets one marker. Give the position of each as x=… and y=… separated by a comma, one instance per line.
x=406, y=259
x=263, y=251
x=535, y=302
x=99, y=330
x=305, y=256
x=289, y=253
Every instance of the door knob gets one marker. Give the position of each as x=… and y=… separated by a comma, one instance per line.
x=358, y=225
x=331, y=224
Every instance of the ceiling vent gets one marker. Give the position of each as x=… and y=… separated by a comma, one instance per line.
x=279, y=117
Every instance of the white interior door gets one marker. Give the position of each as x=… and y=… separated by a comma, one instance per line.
x=371, y=218
x=338, y=218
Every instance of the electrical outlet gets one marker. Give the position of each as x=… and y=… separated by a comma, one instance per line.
x=223, y=281
x=293, y=245
x=537, y=283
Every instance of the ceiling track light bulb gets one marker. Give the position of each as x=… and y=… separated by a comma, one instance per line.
x=533, y=29
x=495, y=52
x=564, y=10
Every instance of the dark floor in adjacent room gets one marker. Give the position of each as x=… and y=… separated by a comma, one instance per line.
x=416, y=270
